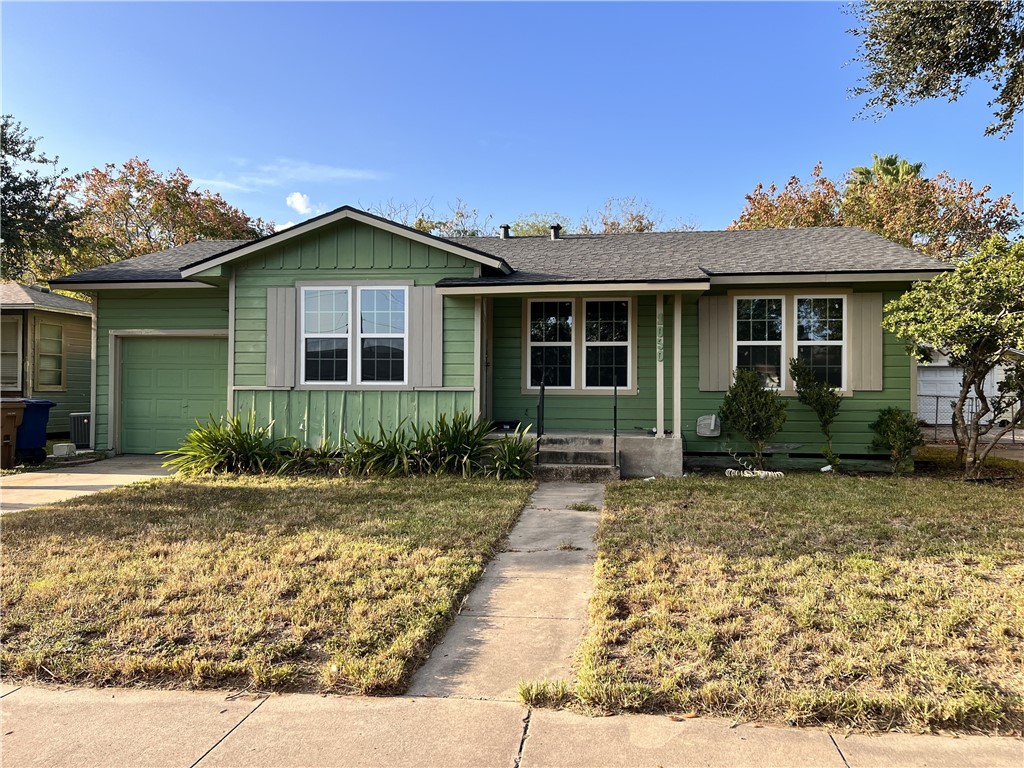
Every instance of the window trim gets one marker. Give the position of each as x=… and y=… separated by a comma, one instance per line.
x=360, y=336
x=628, y=343
x=37, y=386
x=846, y=331
x=578, y=352
x=17, y=321
x=303, y=335
x=571, y=344
x=781, y=343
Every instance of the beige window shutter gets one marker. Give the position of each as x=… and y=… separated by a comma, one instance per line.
x=281, y=337
x=425, y=333
x=714, y=343
x=866, y=338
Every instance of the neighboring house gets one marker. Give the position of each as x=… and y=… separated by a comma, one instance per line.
x=348, y=320
x=46, y=350
x=938, y=386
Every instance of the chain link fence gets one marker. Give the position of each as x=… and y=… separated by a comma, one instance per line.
x=935, y=413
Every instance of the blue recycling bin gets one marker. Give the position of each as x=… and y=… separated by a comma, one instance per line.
x=31, y=443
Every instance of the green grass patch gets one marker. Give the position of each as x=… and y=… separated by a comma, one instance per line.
x=312, y=584
x=876, y=603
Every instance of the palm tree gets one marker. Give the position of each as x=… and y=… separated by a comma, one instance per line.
x=890, y=169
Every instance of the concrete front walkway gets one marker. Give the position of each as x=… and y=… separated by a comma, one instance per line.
x=113, y=727
x=525, y=618
x=32, y=489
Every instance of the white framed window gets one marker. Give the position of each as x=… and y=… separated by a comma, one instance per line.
x=49, y=373
x=606, y=343
x=820, y=336
x=326, y=335
x=759, y=337
x=550, y=340
x=10, y=352
x=383, y=335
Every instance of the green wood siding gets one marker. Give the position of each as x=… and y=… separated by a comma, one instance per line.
x=74, y=397
x=345, y=252
x=177, y=309
x=593, y=412
x=311, y=415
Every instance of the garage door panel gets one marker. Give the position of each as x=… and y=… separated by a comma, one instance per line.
x=166, y=384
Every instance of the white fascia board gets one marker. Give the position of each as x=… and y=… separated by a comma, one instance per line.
x=824, y=277
x=569, y=288
x=301, y=229
x=54, y=310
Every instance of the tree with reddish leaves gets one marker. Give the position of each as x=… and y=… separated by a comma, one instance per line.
x=130, y=210
x=941, y=216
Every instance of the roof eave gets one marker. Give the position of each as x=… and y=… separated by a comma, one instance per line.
x=466, y=288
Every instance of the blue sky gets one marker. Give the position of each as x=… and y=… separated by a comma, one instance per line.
x=511, y=107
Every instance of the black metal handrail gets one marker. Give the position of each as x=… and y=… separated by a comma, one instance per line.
x=540, y=412
x=615, y=423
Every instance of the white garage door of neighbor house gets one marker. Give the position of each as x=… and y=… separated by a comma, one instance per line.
x=937, y=387
x=166, y=385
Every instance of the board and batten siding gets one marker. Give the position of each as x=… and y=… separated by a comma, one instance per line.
x=166, y=310
x=440, y=332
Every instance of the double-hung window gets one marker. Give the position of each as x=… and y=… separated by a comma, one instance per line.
x=606, y=343
x=10, y=352
x=759, y=338
x=326, y=335
x=49, y=356
x=354, y=334
x=820, y=337
x=551, y=343
x=382, y=325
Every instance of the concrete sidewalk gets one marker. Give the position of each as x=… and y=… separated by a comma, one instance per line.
x=112, y=727
x=525, y=618
x=33, y=489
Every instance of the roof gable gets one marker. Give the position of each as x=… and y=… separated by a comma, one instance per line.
x=332, y=217
x=18, y=296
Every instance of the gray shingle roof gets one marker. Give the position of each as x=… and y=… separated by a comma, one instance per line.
x=638, y=257
x=682, y=256
x=18, y=296
x=153, y=267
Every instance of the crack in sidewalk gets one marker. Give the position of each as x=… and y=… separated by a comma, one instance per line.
x=232, y=730
x=517, y=763
x=841, y=755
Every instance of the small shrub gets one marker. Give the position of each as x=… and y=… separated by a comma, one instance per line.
x=752, y=410
x=229, y=444
x=897, y=432
x=297, y=459
x=460, y=445
x=821, y=398
x=512, y=457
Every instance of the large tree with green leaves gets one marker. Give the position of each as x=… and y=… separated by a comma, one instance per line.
x=131, y=209
x=34, y=215
x=941, y=216
x=975, y=316
x=913, y=51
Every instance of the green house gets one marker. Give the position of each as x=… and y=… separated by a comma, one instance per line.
x=349, y=322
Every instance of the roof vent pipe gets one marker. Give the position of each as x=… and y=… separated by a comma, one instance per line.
x=504, y=231
x=555, y=230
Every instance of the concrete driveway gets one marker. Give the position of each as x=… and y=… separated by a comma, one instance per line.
x=33, y=489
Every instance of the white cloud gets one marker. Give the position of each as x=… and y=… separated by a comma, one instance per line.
x=252, y=177
x=221, y=184
x=286, y=225
x=298, y=202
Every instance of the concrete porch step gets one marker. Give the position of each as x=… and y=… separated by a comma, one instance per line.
x=576, y=473
x=563, y=441
x=567, y=456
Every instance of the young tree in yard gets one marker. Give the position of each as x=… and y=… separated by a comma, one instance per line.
x=35, y=218
x=975, y=316
x=753, y=410
x=131, y=210
x=821, y=398
x=941, y=216
x=914, y=51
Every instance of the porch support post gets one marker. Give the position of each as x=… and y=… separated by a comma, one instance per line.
x=677, y=366
x=478, y=352
x=659, y=341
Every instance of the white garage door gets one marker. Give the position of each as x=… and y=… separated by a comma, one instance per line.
x=937, y=387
